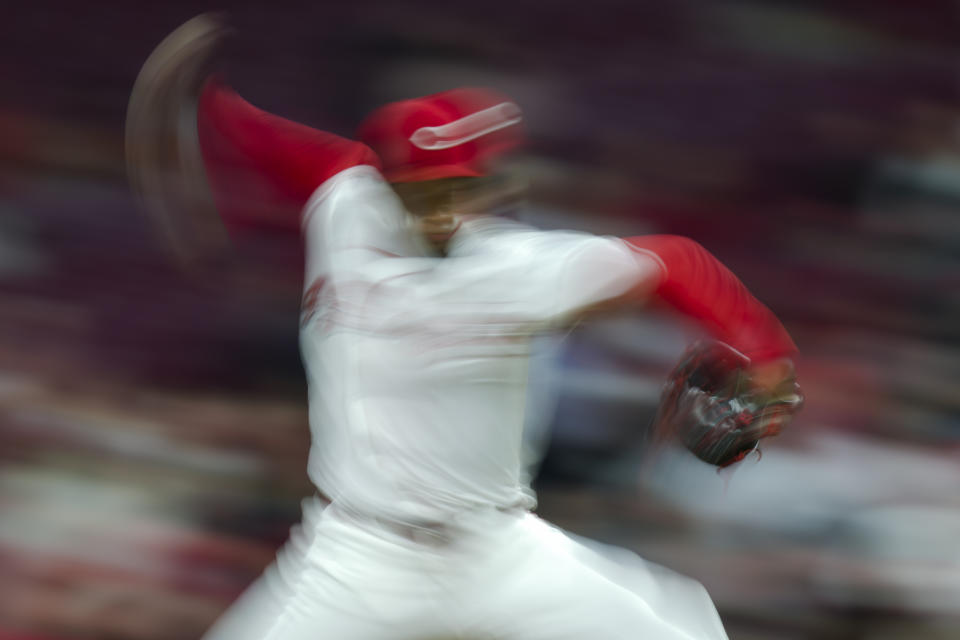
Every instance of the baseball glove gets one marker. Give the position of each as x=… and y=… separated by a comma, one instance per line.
x=711, y=405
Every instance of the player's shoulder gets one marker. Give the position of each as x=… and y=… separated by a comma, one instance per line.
x=485, y=234
x=350, y=185
x=351, y=196
x=499, y=235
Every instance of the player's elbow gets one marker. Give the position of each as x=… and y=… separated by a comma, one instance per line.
x=671, y=253
x=678, y=249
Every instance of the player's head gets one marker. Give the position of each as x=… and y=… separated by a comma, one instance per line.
x=439, y=152
x=453, y=134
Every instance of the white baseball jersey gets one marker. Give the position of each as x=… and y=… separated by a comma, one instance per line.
x=417, y=368
x=417, y=364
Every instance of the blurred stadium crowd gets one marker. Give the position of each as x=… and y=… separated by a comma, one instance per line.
x=152, y=420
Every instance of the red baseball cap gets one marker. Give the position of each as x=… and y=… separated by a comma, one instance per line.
x=452, y=134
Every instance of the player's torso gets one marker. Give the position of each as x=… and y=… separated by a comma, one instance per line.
x=417, y=371
x=417, y=365
x=427, y=421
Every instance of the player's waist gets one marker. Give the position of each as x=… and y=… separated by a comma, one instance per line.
x=430, y=532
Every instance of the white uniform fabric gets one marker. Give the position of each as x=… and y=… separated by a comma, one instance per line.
x=417, y=369
x=417, y=365
x=501, y=575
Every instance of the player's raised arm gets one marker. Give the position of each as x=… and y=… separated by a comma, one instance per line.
x=196, y=149
x=263, y=168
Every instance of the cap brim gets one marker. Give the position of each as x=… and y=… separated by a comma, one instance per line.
x=422, y=174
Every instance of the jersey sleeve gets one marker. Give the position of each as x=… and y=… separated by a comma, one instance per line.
x=261, y=168
x=548, y=276
x=695, y=283
x=595, y=270
x=354, y=228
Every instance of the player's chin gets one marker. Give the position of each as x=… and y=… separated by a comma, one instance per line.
x=440, y=234
x=439, y=241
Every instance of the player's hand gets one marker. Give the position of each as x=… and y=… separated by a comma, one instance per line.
x=720, y=405
x=772, y=376
x=164, y=164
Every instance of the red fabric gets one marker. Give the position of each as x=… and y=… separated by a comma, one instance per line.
x=262, y=169
x=698, y=285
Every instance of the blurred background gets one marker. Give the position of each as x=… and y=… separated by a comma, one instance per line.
x=153, y=428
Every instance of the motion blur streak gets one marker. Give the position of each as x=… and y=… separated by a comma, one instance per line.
x=153, y=430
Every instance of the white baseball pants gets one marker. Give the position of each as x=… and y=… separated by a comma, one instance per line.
x=504, y=575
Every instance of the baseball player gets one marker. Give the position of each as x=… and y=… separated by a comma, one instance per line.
x=417, y=316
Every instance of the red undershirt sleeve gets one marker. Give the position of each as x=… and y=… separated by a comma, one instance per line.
x=261, y=168
x=698, y=285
